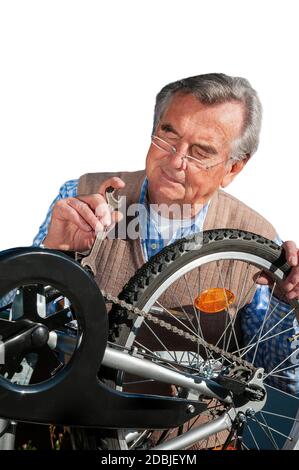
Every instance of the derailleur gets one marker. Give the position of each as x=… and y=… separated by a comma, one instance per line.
x=239, y=381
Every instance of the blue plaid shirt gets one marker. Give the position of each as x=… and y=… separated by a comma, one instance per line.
x=270, y=352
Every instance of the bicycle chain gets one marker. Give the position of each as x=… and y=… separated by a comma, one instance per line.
x=135, y=310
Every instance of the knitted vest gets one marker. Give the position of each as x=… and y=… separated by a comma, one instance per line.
x=119, y=259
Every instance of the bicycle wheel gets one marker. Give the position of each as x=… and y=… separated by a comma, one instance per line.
x=174, y=286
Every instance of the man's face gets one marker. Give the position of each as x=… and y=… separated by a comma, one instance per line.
x=184, y=124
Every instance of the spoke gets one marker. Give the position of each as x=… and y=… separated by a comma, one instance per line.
x=156, y=356
x=192, y=357
x=243, y=287
x=267, y=339
x=272, y=438
x=215, y=407
x=248, y=346
x=232, y=271
x=163, y=436
x=282, y=391
x=252, y=435
x=244, y=445
x=282, y=362
x=198, y=318
x=265, y=431
x=153, y=353
x=272, y=429
x=279, y=376
x=228, y=315
x=240, y=298
x=226, y=360
x=231, y=317
x=134, y=382
x=158, y=339
x=140, y=439
x=272, y=328
x=248, y=293
x=192, y=325
x=199, y=332
x=281, y=416
x=181, y=306
x=263, y=324
x=293, y=366
x=278, y=323
x=190, y=426
x=177, y=319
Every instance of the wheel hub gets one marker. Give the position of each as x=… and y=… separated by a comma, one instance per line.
x=39, y=336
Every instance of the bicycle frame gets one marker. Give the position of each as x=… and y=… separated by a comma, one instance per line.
x=135, y=364
x=203, y=387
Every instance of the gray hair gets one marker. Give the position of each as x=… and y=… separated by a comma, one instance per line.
x=217, y=88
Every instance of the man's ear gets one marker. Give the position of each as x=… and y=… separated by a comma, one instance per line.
x=233, y=171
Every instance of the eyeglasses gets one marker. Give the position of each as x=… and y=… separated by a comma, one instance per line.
x=196, y=159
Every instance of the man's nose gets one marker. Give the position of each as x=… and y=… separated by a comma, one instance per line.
x=178, y=159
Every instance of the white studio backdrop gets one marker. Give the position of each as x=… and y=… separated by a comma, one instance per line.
x=78, y=82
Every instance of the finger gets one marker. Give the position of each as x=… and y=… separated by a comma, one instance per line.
x=115, y=182
x=294, y=294
x=92, y=200
x=84, y=211
x=102, y=211
x=262, y=278
x=291, y=251
x=292, y=280
x=99, y=207
x=117, y=216
x=66, y=212
x=113, y=219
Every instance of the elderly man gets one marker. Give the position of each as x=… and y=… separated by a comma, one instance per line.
x=205, y=130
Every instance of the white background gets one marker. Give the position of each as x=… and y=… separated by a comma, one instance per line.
x=78, y=81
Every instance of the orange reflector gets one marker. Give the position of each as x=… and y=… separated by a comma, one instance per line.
x=214, y=300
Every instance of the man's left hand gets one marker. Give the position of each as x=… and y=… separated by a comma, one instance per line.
x=289, y=288
x=290, y=285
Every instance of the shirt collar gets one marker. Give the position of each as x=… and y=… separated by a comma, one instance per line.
x=197, y=220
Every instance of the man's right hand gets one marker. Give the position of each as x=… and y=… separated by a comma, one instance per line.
x=76, y=220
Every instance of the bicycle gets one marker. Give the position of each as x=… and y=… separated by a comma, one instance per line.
x=151, y=363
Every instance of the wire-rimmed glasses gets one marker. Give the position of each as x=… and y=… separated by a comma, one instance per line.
x=196, y=159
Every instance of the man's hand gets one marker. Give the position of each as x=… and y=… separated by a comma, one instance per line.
x=291, y=284
x=289, y=288
x=75, y=221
